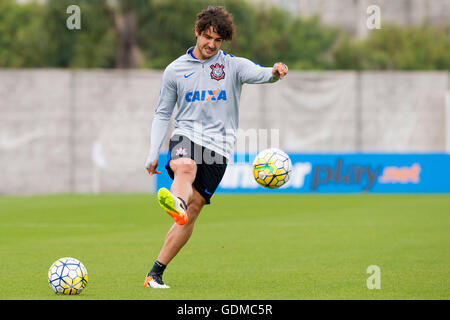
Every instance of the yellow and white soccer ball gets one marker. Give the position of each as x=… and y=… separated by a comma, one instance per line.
x=67, y=276
x=272, y=168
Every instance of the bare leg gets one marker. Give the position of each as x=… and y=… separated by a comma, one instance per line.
x=184, y=170
x=178, y=235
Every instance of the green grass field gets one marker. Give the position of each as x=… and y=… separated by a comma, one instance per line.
x=244, y=247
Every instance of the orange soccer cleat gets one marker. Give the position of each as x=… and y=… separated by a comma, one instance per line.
x=173, y=206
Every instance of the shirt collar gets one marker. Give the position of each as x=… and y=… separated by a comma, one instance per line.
x=189, y=51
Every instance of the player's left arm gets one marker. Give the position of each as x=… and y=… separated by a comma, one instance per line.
x=250, y=72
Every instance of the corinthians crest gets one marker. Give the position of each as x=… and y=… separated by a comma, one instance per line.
x=181, y=152
x=217, y=72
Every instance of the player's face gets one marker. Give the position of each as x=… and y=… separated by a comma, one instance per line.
x=208, y=43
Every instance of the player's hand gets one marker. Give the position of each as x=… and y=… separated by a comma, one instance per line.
x=280, y=69
x=153, y=168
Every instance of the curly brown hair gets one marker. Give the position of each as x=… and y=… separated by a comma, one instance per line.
x=218, y=18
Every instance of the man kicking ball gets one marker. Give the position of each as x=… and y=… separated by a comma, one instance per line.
x=206, y=85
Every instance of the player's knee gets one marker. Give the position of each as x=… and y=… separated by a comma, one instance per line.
x=186, y=167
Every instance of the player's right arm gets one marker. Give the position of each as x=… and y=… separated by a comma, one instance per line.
x=164, y=109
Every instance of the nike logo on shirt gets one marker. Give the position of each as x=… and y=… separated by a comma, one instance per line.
x=188, y=75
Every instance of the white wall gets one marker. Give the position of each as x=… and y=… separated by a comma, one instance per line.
x=88, y=131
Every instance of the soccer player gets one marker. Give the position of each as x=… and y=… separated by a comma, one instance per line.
x=206, y=85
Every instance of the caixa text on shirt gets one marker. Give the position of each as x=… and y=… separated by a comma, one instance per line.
x=206, y=95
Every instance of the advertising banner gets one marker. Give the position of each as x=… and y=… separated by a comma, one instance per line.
x=342, y=173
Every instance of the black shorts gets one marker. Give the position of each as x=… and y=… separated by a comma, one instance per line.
x=211, y=166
